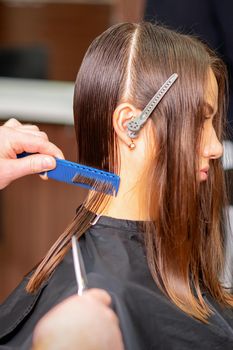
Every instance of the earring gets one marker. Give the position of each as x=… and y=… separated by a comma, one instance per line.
x=132, y=145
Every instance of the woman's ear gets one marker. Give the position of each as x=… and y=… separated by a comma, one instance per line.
x=123, y=114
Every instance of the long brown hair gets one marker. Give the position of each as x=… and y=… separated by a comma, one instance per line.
x=130, y=62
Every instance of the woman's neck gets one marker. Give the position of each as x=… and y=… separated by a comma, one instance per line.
x=129, y=204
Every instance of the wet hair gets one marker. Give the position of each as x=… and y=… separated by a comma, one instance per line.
x=185, y=245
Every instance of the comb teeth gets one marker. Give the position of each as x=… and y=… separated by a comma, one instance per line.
x=102, y=185
x=87, y=177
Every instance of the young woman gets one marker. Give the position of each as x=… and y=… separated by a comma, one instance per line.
x=158, y=247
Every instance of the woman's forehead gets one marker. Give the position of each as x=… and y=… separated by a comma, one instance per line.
x=211, y=93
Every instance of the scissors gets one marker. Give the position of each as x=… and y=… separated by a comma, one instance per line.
x=79, y=268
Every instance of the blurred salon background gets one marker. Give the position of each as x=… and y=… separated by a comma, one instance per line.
x=42, y=43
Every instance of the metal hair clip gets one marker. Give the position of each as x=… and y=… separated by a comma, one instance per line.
x=136, y=124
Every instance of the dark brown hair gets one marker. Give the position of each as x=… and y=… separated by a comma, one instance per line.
x=130, y=62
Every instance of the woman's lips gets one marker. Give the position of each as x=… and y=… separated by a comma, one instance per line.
x=204, y=173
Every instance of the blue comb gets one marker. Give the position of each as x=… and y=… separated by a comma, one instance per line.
x=82, y=175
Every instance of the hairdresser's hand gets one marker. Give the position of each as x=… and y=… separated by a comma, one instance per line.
x=16, y=138
x=85, y=323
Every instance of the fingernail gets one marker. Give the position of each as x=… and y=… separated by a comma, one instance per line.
x=59, y=156
x=48, y=163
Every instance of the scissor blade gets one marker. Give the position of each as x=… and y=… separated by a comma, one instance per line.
x=79, y=267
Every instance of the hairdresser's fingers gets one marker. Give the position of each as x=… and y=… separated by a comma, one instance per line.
x=33, y=144
x=99, y=294
x=97, y=297
x=13, y=169
x=34, y=132
x=15, y=124
x=28, y=127
x=12, y=123
x=44, y=176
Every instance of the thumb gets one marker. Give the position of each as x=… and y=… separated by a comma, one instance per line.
x=32, y=164
x=99, y=295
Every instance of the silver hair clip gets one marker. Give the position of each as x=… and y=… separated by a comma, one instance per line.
x=136, y=124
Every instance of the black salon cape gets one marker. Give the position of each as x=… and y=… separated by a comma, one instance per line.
x=115, y=260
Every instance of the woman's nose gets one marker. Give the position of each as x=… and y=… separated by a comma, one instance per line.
x=213, y=149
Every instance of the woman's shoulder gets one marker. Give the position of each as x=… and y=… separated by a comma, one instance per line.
x=16, y=307
x=20, y=305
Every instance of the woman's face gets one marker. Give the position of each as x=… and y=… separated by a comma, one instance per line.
x=210, y=147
